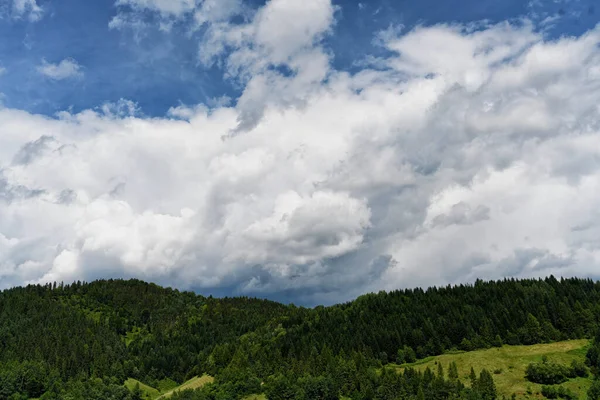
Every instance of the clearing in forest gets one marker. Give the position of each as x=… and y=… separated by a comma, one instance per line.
x=508, y=363
x=151, y=393
x=194, y=383
x=148, y=391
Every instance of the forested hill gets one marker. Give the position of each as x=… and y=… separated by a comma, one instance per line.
x=58, y=341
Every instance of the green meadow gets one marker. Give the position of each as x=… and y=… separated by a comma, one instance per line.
x=508, y=363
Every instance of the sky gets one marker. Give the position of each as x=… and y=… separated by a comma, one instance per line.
x=302, y=151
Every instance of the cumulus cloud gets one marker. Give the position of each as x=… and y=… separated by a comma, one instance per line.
x=27, y=9
x=472, y=151
x=280, y=47
x=214, y=11
x=67, y=68
x=279, y=41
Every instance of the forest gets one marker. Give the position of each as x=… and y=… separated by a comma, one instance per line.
x=84, y=340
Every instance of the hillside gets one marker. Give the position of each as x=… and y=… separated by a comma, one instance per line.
x=60, y=340
x=150, y=393
x=509, y=363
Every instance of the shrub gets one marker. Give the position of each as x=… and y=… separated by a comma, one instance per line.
x=560, y=392
x=547, y=373
x=579, y=369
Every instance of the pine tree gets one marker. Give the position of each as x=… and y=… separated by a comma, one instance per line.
x=453, y=371
x=473, y=378
x=137, y=393
x=594, y=391
x=420, y=394
x=486, y=386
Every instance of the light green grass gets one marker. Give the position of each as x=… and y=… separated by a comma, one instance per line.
x=512, y=361
x=165, y=385
x=194, y=383
x=130, y=336
x=149, y=392
x=168, y=387
x=256, y=397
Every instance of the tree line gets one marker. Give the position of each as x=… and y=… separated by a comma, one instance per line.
x=57, y=338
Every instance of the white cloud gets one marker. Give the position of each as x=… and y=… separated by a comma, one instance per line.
x=67, y=68
x=27, y=8
x=168, y=7
x=283, y=34
x=132, y=13
x=474, y=153
x=212, y=11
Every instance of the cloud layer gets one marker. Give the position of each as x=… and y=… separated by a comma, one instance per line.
x=471, y=151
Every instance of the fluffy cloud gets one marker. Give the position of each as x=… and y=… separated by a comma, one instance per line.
x=27, y=9
x=474, y=152
x=212, y=11
x=279, y=41
x=67, y=68
x=277, y=55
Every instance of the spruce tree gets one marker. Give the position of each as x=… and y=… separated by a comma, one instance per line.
x=486, y=386
x=137, y=393
x=473, y=378
x=453, y=371
x=420, y=394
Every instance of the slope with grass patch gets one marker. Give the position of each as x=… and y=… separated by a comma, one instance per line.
x=256, y=397
x=508, y=364
x=148, y=391
x=194, y=383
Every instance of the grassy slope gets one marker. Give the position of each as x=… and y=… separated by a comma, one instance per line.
x=149, y=392
x=193, y=383
x=152, y=393
x=512, y=361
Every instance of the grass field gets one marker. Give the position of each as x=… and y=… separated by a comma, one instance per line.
x=193, y=383
x=508, y=365
x=256, y=397
x=151, y=393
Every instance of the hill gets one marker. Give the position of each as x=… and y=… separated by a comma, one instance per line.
x=194, y=383
x=509, y=363
x=150, y=393
x=59, y=340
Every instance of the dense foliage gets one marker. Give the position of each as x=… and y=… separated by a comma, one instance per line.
x=56, y=339
x=552, y=392
x=549, y=373
x=389, y=384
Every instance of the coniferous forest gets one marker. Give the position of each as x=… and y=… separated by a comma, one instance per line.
x=83, y=340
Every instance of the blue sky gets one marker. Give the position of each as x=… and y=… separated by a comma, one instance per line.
x=158, y=69
x=306, y=151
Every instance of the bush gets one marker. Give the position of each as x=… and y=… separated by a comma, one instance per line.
x=579, y=369
x=594, y=391
x=549, y=392
x=560, y=392
x=547, y=373
x=406, y=355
